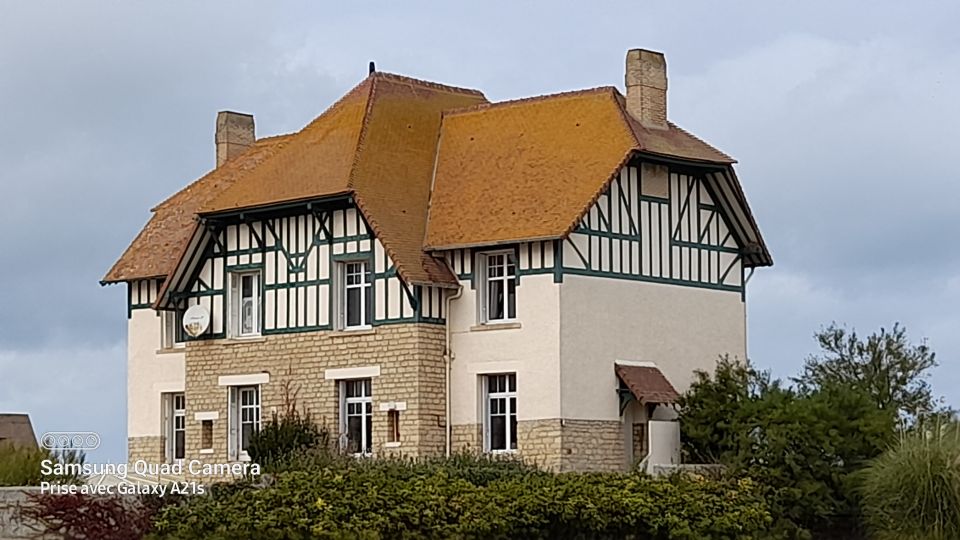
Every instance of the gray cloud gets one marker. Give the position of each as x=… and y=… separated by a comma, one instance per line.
x=843, y=118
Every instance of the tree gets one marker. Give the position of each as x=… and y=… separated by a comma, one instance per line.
x=803, y=446
x=886, y=366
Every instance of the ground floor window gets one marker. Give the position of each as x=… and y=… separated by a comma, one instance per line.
x=244, y=419
x=356, y=425
x=500, y=412
x=175, y=425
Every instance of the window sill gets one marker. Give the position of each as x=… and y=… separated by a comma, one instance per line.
x=395, y=444
x=206, y=451
x=171, y=350
x=501, y=452
x=496, y=326
x=350, y=332
x=239, y=340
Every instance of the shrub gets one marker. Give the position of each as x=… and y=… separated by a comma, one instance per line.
x=469, y=497
x=21, y=466
x=288, y=439
x=94, y=517
x=912, y=492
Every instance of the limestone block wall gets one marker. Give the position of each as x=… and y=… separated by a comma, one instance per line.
x=147, y=448
x=410, y=358
x=558, y=445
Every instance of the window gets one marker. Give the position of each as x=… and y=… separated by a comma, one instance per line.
x=500, y=415
x=175, y=429
x=244, y=419
x=354, y=310
x=393, y=426
x=498, y=287
x=356, y=424
x=169, y=331
x=245, y=304
x=206, y=434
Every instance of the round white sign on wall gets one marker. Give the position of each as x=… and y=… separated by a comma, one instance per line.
x=196, y=320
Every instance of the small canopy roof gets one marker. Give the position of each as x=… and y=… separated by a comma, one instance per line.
x=647, y=383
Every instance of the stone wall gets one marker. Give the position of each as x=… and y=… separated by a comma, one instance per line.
x=593, y=445
x=410, y=357
x=13, y=524
x=555, y=445
x=149, y=448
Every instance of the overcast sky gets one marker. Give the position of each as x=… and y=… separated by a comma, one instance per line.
x=845, y=122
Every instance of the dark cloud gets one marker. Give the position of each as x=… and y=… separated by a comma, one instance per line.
x=843, y=118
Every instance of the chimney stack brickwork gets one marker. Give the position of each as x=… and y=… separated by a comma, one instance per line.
x=235, y=133
x=646, y=82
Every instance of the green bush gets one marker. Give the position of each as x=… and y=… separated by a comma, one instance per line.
x=912, y=492
x=285, y=438
x=21, y=466
x=469, y=497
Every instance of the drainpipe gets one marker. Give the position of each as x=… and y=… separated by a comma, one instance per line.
x=447, y=360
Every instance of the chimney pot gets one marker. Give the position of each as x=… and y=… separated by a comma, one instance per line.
x=235, y=133
x=646, y=82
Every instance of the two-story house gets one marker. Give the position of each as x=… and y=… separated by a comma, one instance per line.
x=428, y=272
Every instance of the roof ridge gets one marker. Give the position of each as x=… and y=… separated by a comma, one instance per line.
x=530, y=99
x=429, y=84
x=364, y=124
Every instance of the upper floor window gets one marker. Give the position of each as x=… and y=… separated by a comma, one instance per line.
x=354, y=306
x=169, y=332
x=497, y=290
x=245, y=304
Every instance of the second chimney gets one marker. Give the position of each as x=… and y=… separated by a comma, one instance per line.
x=646, y=81
x=235, y=133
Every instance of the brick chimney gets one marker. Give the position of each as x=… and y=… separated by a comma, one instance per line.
x=646, y=81
x=235, y=133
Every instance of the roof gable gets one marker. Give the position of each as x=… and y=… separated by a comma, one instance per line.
x=154, y=252
x=529, y=169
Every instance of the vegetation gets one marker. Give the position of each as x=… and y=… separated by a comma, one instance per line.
x=807, y=444
x=469, y=497
x=21, y=466
x=912, y=492
x=885, y=366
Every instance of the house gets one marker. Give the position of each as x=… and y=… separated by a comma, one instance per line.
x=16, y=430
x=429, y=272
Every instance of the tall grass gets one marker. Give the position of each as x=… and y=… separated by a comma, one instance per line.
x=912, y=492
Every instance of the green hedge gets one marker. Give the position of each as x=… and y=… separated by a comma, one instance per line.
x=469, y=498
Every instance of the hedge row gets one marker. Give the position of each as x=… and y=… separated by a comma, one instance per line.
x=469, y=499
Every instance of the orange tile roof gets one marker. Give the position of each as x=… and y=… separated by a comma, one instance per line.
x=378, y=143
x=154, y=252
x=529, y=169
x=518, y=170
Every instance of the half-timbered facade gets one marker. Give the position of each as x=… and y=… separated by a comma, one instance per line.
x=426, y=272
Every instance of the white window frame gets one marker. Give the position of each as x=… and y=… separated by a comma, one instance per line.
x=174, y=421
x=365, y=403
x=343, y=286
x=236, y=303
x=482, y=269
x=169, y=334
x=236, y=409
x=509, y=398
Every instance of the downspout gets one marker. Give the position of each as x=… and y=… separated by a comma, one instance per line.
x=447, y=360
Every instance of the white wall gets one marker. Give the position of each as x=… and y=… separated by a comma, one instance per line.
x=149, y=373
x=678, y=328
x=531, y=351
